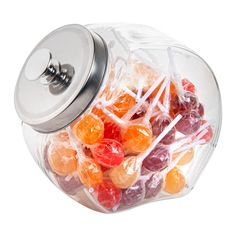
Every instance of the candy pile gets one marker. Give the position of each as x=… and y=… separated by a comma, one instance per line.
x=134, y=141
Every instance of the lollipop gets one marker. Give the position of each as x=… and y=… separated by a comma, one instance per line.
x=62, y=159
x=125, y=175
x=89, y=129
x=153, y=186
x=174, y=181
x=90, y=172
x=108, y=152
x=137, y=138
x=133, y=195
x=108, y=195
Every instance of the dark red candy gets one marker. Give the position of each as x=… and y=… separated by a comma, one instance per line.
x=159, y=124
x=185, y=103
x=108, y=195
x=158, y=159
x=108, y=152
x=133, y=195
x=189, y=123
x=153, y=186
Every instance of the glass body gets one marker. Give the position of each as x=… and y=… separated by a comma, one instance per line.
x=148, y=134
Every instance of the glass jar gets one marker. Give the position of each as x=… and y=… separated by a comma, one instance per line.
x=118, y=115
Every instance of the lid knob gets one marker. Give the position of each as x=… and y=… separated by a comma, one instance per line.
x=41, y=65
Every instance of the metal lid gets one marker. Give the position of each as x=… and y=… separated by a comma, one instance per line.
x=60, y=78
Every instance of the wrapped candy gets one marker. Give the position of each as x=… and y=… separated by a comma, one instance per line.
x=120, y=118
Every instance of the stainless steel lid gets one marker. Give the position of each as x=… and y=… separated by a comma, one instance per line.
x=60, y=78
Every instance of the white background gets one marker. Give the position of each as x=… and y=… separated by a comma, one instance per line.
x=31, y=205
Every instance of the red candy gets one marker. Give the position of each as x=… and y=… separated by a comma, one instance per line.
x=108, y=195
x=108, y=152
x=112, y=131
x=188, y=86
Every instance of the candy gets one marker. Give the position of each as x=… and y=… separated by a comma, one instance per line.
x=187, y=102
x=200, y=110
x=158, y=159
x=159, y=124
x=188, y=86
x=112, y=131
x=62, y=159
x=189, y=123
x=125, y=175
x=187, y=157
x=108, y=195
x=98, y=112
x=89, y=129
x=133, y=195
x=90, y=172
x=137, y=138
x=153, y=186
x=108, y=152
x=122, y=105
x=174, y=181
x=69, y=184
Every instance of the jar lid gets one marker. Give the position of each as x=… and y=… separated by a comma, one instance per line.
x=60, y=78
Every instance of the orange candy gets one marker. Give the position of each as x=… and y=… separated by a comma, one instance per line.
x=126, y=174
x=89, y=129
x=172, y=91
x=137, y=138
x=121, y=106
x=188, y=156
x=174, y=182
x=98, y=112
x=90, y=173
x=62, y=160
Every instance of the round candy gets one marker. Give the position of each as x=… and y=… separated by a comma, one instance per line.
x=108, y=195
x=89, y=129
x=174, y=182
x=137, y=138
x=121, y=106
x=112, y=131
x=62, y=160
x=134, y=194
x=158, y=159
x=90, y=173
x=108, y=152
x=153, y=186
x=125, y=175
x=159, y=124
x=187, y=157
x=188, y=86
x=70, y=185
x=185, y=103
x=189, y=123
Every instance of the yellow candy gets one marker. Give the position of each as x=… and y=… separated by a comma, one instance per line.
x=188, y=156
x=126, y=174
x=174, y=181
x=90, y=173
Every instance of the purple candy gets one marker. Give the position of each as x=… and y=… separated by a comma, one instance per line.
x=153, y=186
x=133, y=194
x=158, y=159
